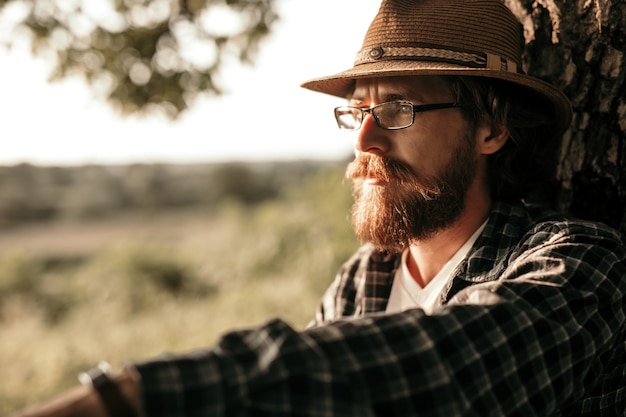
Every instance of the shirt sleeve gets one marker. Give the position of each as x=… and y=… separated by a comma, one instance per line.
x=534, y=342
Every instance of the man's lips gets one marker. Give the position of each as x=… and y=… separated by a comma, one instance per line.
x=376, y=171
x=378, y=181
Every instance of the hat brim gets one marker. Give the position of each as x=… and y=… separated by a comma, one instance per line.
x=342, y=84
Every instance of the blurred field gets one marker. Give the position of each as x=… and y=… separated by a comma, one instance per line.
x=138, y=282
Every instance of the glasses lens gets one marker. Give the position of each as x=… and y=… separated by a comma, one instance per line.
x=394, y=115
x=348, y=118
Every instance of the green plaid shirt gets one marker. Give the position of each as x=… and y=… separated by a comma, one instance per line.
x=532, y=324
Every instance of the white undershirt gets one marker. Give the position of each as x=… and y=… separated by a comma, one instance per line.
x=406, y=293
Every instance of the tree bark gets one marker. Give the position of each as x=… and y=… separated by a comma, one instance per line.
x=579, y=46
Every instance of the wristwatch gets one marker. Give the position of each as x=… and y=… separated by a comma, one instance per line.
x=114, y=401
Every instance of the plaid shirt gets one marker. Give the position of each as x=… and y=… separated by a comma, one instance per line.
x=532, y=324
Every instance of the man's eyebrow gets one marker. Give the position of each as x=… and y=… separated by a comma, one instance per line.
x=389, y=97
x=394, y=97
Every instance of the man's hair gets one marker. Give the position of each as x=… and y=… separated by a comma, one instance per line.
x=528, y=161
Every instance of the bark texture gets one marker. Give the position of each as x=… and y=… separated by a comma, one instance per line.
x=580, y=47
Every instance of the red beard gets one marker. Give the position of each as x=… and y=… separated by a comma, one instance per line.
x=408, y=208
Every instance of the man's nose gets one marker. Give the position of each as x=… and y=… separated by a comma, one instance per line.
x=371, y=138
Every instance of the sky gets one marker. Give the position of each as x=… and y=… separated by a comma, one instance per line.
x=61, y=123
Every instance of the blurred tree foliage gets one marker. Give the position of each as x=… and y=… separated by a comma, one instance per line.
x=34, y=193
x=141, y=55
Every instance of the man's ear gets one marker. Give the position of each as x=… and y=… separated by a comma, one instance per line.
x=492, y=138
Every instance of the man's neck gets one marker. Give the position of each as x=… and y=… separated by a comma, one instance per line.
x=427, y=257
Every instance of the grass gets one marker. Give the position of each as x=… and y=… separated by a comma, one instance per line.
x=135, y=286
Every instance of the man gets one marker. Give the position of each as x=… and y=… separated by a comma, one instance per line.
x=464, y=300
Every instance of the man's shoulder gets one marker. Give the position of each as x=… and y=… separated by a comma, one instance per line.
x=552, y=223
x=530, y=225
x=533, y=237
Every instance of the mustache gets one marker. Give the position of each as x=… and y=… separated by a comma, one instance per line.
x=394, y=172
x=389, y=170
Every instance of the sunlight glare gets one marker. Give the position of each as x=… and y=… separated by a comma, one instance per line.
x=201, y=54
x=103, y=12
x=156, y=12
x=220, y=20
x=140, y=73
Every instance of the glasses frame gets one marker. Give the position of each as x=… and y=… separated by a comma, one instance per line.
x=417, y=108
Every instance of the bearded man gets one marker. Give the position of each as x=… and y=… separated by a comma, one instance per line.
x=465, y=300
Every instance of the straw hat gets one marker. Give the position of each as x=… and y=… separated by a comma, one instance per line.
x=444, y=37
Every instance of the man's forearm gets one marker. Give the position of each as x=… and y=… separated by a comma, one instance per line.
x=85, y=401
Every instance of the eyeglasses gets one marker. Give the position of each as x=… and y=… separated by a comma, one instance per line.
x=393, y=115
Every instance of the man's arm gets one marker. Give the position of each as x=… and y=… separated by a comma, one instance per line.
x=85, y=401
x=530, y=343
x=535, y=341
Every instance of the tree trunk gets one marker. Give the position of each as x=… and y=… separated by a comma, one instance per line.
x=579, y=46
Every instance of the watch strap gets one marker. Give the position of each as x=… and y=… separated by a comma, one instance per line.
x=116, y=404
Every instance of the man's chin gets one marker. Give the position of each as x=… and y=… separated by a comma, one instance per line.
x=393, y=227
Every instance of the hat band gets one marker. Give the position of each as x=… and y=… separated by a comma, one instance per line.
x=468, y=59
